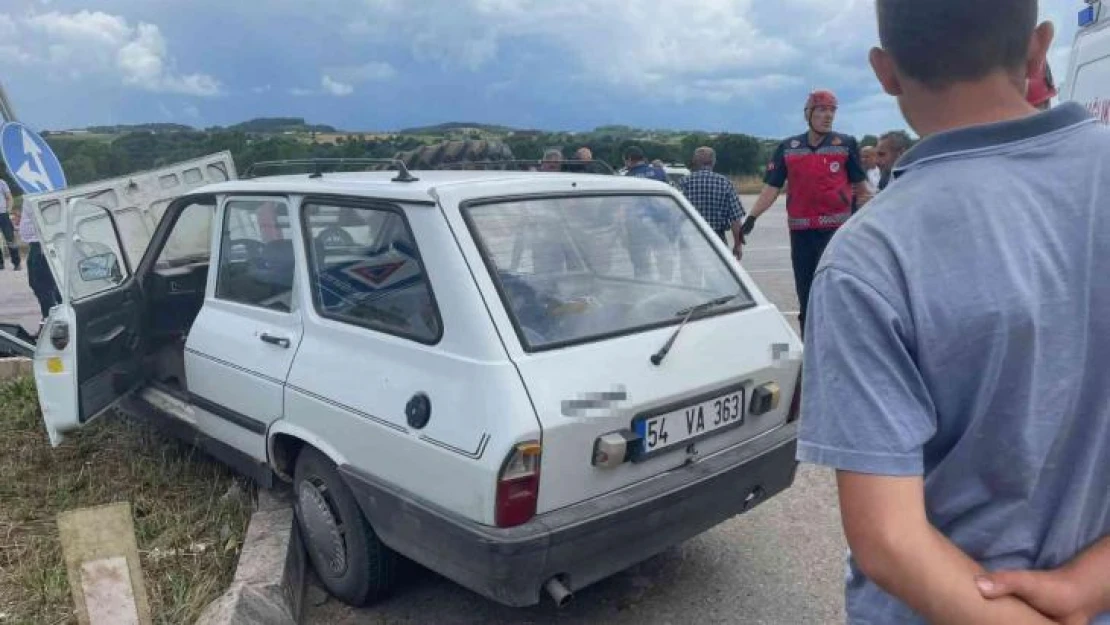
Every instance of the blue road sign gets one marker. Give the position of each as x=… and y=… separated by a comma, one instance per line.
x=30, y=160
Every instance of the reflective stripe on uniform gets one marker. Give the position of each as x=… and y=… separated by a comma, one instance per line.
x=818, y=222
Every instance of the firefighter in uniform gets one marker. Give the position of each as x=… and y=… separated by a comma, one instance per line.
x=825, y=180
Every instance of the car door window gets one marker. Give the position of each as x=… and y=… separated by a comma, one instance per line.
x=97, y=261
x=256, y=255
x=366, y=270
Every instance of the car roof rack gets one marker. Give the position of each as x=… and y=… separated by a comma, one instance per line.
x=576, y=166
x=316, y=167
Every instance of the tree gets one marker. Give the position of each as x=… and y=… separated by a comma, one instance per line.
x=692, y=142
x=869, y=141
x=737, y=154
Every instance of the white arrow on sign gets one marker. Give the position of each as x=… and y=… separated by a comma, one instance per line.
x=36, y=176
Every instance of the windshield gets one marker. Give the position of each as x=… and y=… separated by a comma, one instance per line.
x=575, y=269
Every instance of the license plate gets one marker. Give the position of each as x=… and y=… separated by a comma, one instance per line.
x=665, y=430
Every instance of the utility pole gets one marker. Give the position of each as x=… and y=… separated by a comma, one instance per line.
x=6, y=110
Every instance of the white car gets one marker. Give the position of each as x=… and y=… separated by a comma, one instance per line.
x=1087, y=80
x=526, y=382
x=676, y=173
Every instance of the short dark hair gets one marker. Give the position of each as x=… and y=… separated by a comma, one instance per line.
x=899, y=140
x=941, y=42
x=634, y=153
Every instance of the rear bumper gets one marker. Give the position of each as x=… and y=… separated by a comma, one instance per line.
x=586, y=542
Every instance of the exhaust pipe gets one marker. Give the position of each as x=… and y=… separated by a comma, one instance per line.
x=558, y=592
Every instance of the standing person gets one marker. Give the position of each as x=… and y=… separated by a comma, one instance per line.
x=824, y=173
x=638, y=167
x=552, y=160
x=891, y=147
x=585, y=164
x=871, y=167
x=39, y=276
x=715, y=198
x=957, y=352
x=648, y=231
x=7, y=203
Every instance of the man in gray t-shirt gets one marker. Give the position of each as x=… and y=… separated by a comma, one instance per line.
x=957, y=365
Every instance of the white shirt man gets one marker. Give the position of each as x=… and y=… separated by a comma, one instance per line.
x=871, y=167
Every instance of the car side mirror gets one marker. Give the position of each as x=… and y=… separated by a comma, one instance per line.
x=99, y=267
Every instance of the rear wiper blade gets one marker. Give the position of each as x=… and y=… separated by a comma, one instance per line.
x=687, y=314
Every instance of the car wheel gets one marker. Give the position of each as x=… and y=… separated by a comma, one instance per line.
x=348, y=558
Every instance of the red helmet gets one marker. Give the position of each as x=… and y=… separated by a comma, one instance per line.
x=1041, y=86
x=821, y=97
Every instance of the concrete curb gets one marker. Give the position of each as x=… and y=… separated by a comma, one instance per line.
x=269, y=583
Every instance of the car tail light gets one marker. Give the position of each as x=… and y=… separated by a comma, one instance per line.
x=796, y=402
x=518, y=485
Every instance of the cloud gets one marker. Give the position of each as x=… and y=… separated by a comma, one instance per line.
x=341, y=81
x=740, y=65
x=367, y=72
x=335, y=87
x=722, y=90
x=674, y=50
x=93, y=42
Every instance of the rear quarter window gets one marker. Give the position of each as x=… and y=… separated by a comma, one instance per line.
x=366, y=270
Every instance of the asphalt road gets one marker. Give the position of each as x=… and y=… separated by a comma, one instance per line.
x=17, y=302
x=781, y=564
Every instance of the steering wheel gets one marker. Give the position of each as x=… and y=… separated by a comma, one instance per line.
x=251, y=248
x=335, y=236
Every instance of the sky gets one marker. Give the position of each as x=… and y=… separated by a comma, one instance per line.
x=381, y=65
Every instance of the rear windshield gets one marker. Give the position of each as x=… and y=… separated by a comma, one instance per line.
x=581, y=268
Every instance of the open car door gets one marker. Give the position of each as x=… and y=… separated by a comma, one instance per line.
x=89, y=352
x=137, y=202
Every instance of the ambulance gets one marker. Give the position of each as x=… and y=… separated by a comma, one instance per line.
x=1088, y=77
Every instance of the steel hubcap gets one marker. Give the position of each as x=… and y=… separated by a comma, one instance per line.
x=323, y=526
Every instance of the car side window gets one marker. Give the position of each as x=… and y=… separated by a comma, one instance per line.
x=256, y=255
x=366, y=270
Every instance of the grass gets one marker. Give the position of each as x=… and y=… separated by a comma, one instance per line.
x=748, y=185
x=190, y=512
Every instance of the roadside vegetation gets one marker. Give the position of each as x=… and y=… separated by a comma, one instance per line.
x=190, y=512
x=105, y=152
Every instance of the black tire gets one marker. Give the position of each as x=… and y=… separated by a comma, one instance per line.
x=349, y=560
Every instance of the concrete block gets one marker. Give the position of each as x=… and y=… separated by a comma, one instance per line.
x=268, y=587
x=11, y=368
x=102, y=562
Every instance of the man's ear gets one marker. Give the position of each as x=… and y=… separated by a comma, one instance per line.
x=1039, y=45
x=883, y=65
